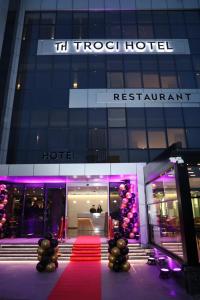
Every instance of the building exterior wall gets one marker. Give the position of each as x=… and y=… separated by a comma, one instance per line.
x=40, y=128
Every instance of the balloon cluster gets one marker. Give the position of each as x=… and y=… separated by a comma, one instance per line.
x=128, y=223
x=118, y=253
x=3, y=202
x=47, y=254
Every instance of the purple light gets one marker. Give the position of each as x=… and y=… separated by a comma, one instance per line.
x=177, y=270
x=171, y=263
x=60, y=179
x=164, y=270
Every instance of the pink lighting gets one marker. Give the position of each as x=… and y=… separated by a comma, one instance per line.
x=60, y=179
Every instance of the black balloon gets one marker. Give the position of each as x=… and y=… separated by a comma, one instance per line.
x=116, y=267
x=48, y=236
x=126, y=210
x=121, y=230
x=56, y=263
x=133, y=195
x=112, y=243
x=126, y=235
x=130, y=225
x=121, y=259
x=117, y=236
x=127, y=230
x=125, y=251
x=130, y=205
x=40, y=267
x=54, y=243
x=127, y=186
x=40, y=241
x=126, y=241
x=109, y=250
x=49, y=251
x=45, y=260
x=132, y=200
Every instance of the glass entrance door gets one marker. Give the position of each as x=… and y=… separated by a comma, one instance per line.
x=55, y=207
x=87, y=208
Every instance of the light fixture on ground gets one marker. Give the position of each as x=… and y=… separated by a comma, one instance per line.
x=162, y=261
x=151, y=261
x=164, y=273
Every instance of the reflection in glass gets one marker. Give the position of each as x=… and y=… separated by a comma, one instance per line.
x=156, y=138
x=176, y=135
x=163, y=213
x=194, y=179
x=34, y=211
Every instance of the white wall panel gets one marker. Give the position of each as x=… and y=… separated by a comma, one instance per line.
x=46, y=170
x=20, y=170
x=97, y=169
x=3, y=170
x=142, y=205
x=123, y=168
x=72, y=169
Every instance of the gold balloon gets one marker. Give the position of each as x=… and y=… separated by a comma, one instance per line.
x=121, y=244
x=110, y=265
x=126, y=266
x=40, y=251
x=115, y=251
x=54, y=258
x=50, y=267
x=39, y=257
x=111, y=258
x=45, y=244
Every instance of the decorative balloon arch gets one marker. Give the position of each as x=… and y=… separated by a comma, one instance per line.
x=128, y=220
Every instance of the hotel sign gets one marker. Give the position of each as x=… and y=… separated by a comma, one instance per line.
x=74, y=47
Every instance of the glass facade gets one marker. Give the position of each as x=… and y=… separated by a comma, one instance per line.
x=34, y=209
x=194, y=179
x=164, y=222
x=45, y=130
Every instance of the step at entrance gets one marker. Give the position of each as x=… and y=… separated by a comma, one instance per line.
x=28, y=252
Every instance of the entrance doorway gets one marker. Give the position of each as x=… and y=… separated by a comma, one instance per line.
x=87, y=209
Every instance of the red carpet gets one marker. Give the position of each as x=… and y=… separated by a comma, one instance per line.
x=82, y=277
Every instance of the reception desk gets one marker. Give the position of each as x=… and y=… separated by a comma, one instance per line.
x=95, y=221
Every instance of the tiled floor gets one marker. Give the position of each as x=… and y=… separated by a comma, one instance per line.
x=20, y=281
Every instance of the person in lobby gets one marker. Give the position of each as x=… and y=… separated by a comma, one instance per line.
x=99, y=209
x=93, y=209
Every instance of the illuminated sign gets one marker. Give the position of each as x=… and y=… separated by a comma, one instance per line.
x=86, y=98
x=72, y=47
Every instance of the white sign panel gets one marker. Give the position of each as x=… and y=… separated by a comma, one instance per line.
x=72, y=47
x=84, y=98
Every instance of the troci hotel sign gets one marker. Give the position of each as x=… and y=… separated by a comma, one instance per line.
x=74, y=47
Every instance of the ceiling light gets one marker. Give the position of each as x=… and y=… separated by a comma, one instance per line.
x=75, y=85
